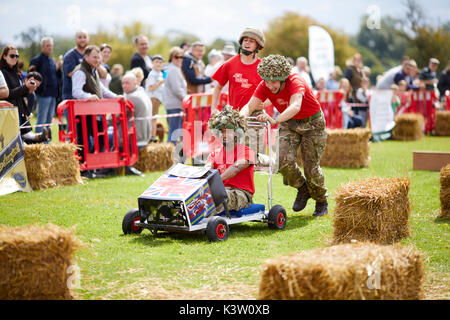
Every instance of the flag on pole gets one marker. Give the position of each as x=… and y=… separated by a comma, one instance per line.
x=321, y=53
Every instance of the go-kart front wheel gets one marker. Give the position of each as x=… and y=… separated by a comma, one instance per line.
x=217, y=229
x=277, y=217
x=128, y=223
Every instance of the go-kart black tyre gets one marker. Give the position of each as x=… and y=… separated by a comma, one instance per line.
x=277, y=217
x=130, y=218
x=217, y=229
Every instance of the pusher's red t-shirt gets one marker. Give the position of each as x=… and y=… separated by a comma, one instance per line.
x=281, y=100
x=243, y=80
x=222, y=160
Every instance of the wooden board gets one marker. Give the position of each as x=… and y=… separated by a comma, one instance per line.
x=430, y=160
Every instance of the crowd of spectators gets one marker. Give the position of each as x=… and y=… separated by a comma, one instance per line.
x=151, y=81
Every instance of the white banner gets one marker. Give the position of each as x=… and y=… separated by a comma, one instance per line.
x=381, y=113
x=321, y=53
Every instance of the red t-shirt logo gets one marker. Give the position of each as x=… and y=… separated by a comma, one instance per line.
x=244, y=82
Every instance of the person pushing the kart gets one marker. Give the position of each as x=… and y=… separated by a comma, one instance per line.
x=234, y=161
x=301, y=124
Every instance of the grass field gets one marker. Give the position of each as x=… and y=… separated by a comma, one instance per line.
x=187, y=266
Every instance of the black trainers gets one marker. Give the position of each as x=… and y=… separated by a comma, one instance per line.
x=321, y=209
x=302, y=198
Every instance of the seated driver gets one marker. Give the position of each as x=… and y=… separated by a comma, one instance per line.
x=234, y=161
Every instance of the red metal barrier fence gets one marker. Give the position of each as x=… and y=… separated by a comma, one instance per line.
x=422, y=102
x=330, y=101
x=88, y=127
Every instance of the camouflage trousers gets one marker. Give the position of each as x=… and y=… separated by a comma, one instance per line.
x=311, y=137
x=237, y=199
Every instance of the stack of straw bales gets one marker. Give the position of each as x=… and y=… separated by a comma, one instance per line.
x=52, y=165
x=445, y=192
x=374, y=209
x=34, y=262
x=408, y=127
x=345, y=272
x=443, y=123
x=155, y=157
x=346, y=148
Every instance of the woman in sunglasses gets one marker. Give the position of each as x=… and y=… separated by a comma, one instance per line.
x=18, y=91
x=175, y=89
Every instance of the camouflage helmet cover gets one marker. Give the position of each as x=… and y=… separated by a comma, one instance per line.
x=274, y=67
x=228, y=118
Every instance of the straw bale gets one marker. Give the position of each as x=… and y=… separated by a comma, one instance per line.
x=374, y=209
x=359, y=271
x=408, y=127
x=445, y=192
x=345, y=148
x=443, y=123
x=155, y=157
x=34, y=262
x=51, y=165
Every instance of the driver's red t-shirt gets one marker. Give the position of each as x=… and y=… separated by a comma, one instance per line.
x=222, y=160
x=281, y=100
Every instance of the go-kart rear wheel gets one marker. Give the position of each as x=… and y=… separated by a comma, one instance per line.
x=277, y=217
x=128, y=223
x=217, y=229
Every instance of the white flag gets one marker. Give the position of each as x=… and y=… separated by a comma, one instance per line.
x=321, y=53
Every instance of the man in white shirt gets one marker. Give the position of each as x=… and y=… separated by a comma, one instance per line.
x=301, y=69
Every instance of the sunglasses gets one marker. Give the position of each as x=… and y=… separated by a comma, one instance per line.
x=178, y=57
x=12, y=56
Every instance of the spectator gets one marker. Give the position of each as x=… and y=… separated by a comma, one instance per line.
x=86, y=85
x=141, y=59
x=103, y=69
x=59, y=77
x=415, y=81
x=73, y=58
x=350, y=120
x=428, y=74
x=193, y=69
x=366, y=71
x=405, y=96
x=444, y=81
x=185, y=46
x=116, y=79
x=363, y=97
x=320, y=85
x=4, y=91
x=175, y=89
x=155, y=89
x=404, y=73
x=385, y=81
x=18, y=91
x=139, y=75
x=333, y=80
x=301, y=68
x=47, y=92
x=215, y=59
x=395, y=102
x=142, y=108
x=354, y=74
x=228, y=51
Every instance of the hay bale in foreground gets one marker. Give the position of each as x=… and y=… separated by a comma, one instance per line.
x=445, y=192
x=443, y=123
x=34, y=262
x=408, y=127
x=374, y=209
x=52, y=165
x=345, y=272
x=155, y=157
x=345, y=148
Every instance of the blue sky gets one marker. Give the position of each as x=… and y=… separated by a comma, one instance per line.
x=208, y=19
